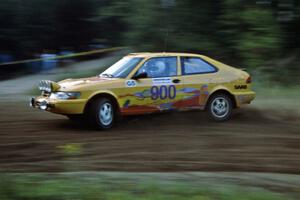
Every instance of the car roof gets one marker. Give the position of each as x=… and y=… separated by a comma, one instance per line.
x=213, y=62
x=159, y=54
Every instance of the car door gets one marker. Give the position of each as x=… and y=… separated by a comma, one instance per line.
x=196, y=77
x=157, y=91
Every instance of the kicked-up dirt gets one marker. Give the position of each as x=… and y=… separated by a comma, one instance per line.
x=254, y=140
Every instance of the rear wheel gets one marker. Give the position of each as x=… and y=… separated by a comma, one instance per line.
x=220, y=107
x=101, y=113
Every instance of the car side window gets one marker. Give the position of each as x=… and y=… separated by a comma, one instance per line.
x=159, y=67
x=193, y=65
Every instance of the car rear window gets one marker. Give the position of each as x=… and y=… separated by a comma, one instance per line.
x=194, y=65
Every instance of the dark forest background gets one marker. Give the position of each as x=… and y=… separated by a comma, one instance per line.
x=260, y=35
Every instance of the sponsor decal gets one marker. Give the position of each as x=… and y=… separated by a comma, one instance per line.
x=126, y=104
x=142, y=95
x=130, y=83
x=203, y=94
x=204, y=87
x=240, y=87
x=166, y=106
x=189, y=90
x=162, y=81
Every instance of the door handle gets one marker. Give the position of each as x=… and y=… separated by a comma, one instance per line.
x=176, y=81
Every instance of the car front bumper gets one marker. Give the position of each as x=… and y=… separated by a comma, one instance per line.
x=65, y=107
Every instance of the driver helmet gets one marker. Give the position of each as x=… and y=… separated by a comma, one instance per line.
x=158, y=68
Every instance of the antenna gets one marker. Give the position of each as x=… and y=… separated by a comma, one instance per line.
x=166, y=40
x=167, y=5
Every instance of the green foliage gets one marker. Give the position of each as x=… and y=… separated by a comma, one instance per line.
x=182, y=27
x=91, y=187
x=261, y=40
x=251, y=33
x=245, y=33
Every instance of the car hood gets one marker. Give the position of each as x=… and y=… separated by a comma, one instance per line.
x=70, y=84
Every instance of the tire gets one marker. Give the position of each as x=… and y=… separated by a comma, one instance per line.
x=75, y=118
x=220, y=107
x=101, y=114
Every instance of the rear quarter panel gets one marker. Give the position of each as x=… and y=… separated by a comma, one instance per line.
x=232, y=80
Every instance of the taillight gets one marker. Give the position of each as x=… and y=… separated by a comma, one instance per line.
x=248, y=80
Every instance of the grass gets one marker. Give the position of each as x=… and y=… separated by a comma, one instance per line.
x=277, y=96
x=87, y=187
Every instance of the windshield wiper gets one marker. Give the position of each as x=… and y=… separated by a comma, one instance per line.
x=107, y=75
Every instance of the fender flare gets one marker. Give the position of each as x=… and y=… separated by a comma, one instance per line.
x=103, y=93
x=221, y=89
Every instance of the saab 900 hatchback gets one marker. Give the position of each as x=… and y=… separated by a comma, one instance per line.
x=143, y=83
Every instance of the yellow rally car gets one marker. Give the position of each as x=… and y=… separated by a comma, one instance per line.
x=143, y=83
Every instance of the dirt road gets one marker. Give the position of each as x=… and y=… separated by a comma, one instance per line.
x=254, y=140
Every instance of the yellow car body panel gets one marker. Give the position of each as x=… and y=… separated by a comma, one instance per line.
x=147, y=95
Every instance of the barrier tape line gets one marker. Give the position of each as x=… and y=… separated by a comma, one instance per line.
x=84, y=53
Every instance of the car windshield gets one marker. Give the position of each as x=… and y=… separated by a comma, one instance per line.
x=122, y=68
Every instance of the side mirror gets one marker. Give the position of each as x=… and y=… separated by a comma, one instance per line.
x=140, y=76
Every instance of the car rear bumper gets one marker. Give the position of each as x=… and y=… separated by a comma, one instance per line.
x=244, y=97
x=65, y=107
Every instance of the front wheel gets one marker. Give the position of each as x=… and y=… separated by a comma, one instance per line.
x=101, y=113
x=220, y=107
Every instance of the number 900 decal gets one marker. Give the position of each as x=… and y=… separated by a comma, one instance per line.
x=163, y=92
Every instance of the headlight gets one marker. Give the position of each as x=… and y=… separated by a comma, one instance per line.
x=64, y=95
